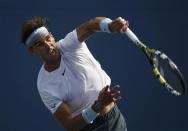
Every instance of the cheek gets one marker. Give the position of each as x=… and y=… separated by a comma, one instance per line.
x=40, y=51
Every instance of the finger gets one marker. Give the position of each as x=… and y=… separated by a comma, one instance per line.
x=116, y=27
x=116, y=87
x=119, y=27
x=117, y=99
x=118, y=19
x=114, y=24
x=118, y=22
x=122, y=20
x=117, y=96
x=103, y=90
x=115, y=93
x=125, y=22
x=124, y=28
x=106, y=88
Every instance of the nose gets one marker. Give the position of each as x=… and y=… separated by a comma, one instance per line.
x=48, y=45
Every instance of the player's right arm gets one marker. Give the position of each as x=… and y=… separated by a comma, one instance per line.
x=88, y=28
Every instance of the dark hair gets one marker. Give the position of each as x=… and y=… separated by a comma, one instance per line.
x=30, y=25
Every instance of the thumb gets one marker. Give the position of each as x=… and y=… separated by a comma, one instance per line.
x=106, y=88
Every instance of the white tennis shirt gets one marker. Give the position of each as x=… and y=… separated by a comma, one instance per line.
x=78, y=80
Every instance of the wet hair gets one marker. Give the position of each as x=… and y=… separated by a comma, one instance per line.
x=30, y=25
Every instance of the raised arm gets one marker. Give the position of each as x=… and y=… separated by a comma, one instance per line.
x=85, y=30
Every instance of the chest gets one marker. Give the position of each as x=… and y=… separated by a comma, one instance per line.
x=82, y=81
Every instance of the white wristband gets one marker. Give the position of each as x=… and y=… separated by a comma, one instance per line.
x=89, y=115
x=104, y=25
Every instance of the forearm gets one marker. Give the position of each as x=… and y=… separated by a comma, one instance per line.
x=75, y=124
x=63, y=115
x=87, y=29
x=107, y=97
x=80, y=121
x=94, y=24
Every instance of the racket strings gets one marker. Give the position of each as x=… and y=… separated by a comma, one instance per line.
x=171, y=74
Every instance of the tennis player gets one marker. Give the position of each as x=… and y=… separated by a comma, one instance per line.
x=71, y=82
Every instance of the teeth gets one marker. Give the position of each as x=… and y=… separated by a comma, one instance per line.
x=51, y=51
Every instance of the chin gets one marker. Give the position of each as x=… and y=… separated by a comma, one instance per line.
x=54, y=58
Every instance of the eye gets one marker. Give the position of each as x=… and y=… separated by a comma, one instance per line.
x=37, y=44
x=47, y=38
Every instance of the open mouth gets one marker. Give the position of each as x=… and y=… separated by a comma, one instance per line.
x=52, y=52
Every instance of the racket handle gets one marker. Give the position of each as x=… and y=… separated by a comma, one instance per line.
x=131, y=36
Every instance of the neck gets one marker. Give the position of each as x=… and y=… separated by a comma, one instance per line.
x=52, y=65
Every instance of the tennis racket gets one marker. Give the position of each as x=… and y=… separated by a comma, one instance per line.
x=163, y=67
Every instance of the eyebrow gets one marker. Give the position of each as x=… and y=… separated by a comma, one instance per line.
x=38, y=41
x=36, y=44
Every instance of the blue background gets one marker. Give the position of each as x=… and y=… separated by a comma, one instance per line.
x=147, y=106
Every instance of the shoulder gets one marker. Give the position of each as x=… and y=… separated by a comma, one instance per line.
x=70, y=41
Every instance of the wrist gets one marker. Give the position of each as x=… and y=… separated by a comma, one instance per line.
x=89, y=115
x=104, y=25
x=97, y=107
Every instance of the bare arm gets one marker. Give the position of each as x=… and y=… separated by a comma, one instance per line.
x=64, y=117
x=106, y=98
x=87, y=29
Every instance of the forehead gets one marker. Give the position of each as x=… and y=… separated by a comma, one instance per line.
x=41, y=39
x=35, y=35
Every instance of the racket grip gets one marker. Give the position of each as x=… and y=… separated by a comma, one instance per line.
x=132, y=36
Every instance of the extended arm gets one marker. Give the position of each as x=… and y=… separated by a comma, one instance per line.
x=85, y=30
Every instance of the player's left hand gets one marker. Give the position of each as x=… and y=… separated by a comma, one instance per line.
x=109, y=94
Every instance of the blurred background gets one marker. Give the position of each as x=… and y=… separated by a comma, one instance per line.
x=161, y=24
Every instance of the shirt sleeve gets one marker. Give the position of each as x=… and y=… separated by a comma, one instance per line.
x=50, y=101
x=70, y=42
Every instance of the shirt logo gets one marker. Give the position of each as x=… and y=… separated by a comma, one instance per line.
x=53, y=106
x=63, y=72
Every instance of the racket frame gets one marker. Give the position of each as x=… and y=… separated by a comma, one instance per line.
x=151, y=54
